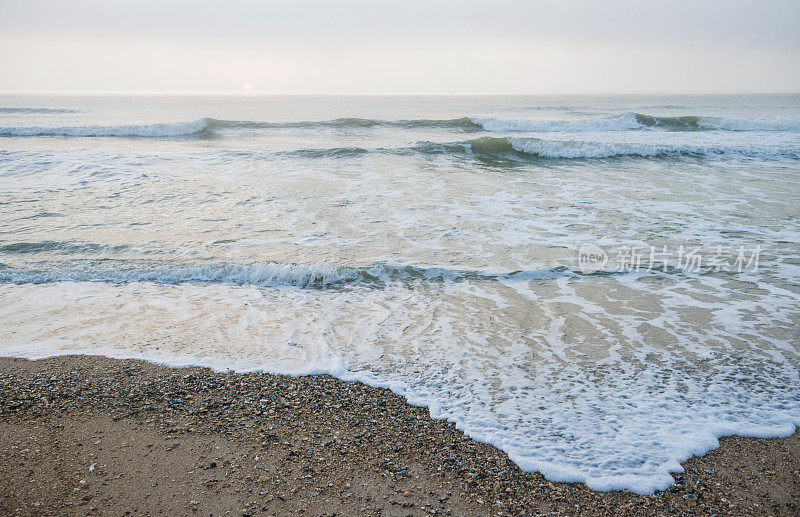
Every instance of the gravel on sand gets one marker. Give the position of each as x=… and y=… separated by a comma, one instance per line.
x=83, y=435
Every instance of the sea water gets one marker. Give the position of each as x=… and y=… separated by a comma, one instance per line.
x=430, y=244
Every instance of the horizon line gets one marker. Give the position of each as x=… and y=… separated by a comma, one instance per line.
x=252, y=93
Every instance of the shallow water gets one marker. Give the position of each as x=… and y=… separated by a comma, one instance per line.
x=429, y=244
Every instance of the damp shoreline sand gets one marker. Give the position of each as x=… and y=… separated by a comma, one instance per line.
x=91, y=435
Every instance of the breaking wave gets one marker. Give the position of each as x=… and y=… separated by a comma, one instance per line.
x=633, y=121
x=535, y=148
x=206, y=127
x=263, y=274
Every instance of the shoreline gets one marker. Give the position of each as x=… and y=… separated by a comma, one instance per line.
x=83, y=434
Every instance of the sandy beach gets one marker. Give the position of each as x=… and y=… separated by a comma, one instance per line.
x=84, y=435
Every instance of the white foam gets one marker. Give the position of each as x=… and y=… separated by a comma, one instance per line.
x=778, y=123
x=590, y=410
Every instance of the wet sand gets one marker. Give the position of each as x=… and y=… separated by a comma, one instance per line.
x=89, y=435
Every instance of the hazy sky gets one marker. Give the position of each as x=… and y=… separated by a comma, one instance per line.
x=432, y=46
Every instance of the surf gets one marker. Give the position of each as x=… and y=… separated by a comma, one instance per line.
x=209, y=126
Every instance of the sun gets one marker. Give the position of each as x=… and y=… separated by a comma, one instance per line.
x=247, y=86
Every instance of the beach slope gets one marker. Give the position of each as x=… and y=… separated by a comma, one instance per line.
x=82, y=435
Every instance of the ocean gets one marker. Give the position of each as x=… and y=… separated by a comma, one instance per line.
x=599, y=285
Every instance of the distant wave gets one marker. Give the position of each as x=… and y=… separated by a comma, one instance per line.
x=559, y=107
x=508, y=147
x=37, y=110
x=666, y=106
x=265, y=274
x=175, y=129
x=463, y=123
x=633, y=121
x=206, y=127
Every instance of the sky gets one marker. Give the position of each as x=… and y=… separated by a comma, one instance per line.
x=408, y=46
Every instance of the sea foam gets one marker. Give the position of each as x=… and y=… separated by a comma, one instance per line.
x=615, y=423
